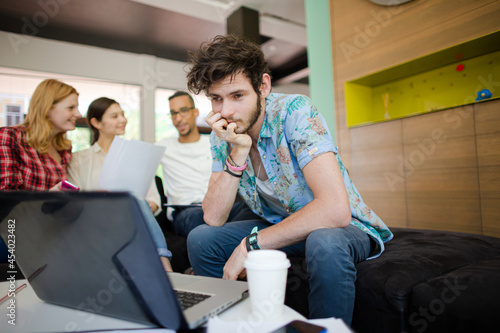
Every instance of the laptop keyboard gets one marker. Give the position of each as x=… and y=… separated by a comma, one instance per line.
x=188, y=299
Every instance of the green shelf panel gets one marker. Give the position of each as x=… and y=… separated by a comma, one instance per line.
x=402, y=91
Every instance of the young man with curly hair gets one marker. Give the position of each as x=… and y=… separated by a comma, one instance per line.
x=276, y=151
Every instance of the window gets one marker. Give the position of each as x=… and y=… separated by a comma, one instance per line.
x=13, y=115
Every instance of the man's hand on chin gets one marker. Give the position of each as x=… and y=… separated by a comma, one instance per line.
x=227, y=131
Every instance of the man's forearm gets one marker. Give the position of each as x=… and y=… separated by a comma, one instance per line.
x=222, y=191
x=295, y=228
x=220, y=198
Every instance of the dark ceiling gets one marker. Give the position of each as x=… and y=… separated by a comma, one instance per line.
x=131, y=26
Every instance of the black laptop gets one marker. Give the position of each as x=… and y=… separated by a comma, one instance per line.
x=92, y=251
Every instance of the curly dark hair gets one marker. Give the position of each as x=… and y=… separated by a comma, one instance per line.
x=223, y=56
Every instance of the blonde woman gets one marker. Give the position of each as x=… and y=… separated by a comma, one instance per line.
x=34, y=155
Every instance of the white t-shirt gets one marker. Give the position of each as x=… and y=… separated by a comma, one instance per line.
x=186, y=169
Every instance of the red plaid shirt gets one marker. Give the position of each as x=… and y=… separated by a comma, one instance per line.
x=23, y=168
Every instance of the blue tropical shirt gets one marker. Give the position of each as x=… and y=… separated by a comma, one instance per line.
x=292, y=134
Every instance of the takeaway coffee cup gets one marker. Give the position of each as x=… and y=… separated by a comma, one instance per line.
x=266, y=275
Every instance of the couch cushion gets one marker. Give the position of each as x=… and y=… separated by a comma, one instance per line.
x=464, y=300
x=384, y=284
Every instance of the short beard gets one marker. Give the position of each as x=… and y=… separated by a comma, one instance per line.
x=255, y=115
x=187, y=133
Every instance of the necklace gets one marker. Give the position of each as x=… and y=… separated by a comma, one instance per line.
x=258, y=171
x=255, y=192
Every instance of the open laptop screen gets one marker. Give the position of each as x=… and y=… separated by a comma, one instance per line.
x=90, y=251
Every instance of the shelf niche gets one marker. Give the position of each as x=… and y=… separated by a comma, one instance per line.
x=448, y=78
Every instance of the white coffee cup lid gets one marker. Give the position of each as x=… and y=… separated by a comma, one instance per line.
x=266, y=259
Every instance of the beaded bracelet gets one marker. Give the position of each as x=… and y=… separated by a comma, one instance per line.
x=233, y=163
x=236, y=168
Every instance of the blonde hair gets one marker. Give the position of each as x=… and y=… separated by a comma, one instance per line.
x=38, y=126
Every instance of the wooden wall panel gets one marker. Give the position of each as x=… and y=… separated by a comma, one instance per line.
x=446, y=214
x=453, y=123
x=488, y=148
x=365, y=42
x=490, y=200
x=440, y=140
x=456, y=185
x=390, y=205
x=374, y=170
x=487, y=118
x=444, y=199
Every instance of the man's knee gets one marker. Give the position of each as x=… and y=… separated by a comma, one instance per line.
x=199, y=236
x=338, y=246
x=325, y=240
x=325, y=246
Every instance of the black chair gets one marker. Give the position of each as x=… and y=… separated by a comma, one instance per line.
x=176, y=244
x=163, y=221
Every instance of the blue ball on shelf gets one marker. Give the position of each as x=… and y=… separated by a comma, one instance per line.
x=483, y=94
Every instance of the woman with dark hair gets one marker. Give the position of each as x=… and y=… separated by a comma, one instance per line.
x=34, y=155
x=97, y=110
x=106, y=119
x=103, y=116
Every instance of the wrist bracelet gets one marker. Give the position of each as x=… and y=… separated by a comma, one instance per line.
x=232, y=161
x=236, y=168
x=247, y=242
x=251, y=241
x=232, y=173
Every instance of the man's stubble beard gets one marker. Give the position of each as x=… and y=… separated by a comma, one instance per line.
x=254, y=116
x=187, y=133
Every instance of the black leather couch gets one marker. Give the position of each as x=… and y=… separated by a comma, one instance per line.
x=425, y=281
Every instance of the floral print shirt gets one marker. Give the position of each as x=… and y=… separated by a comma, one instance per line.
x=293, y=133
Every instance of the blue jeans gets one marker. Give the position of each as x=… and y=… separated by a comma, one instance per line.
x=187, y=219
x=331, y=255
x=154, y=229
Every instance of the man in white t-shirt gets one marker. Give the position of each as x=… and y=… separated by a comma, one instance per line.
x=187, y=167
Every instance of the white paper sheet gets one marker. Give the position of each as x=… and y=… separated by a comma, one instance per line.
x=130, y=166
